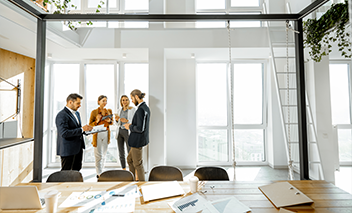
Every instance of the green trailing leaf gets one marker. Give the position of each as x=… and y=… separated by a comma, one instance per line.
x=62, y=7
x=334, y=21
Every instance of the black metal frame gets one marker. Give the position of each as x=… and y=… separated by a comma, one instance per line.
x=39, y=101
x=40, y=62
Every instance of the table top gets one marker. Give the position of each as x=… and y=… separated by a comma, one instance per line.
x=326, y=196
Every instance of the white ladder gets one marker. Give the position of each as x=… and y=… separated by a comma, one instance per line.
x=280, y=76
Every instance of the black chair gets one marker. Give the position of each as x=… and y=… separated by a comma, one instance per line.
x=116, y=175
x=65, y=176
x=211, y=173
x=165, y=173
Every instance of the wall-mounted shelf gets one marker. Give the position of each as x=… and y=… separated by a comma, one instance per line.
x=8, y=142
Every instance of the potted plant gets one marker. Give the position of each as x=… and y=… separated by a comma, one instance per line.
x=331, y=27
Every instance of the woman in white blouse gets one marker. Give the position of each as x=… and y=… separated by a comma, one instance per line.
x=124, y=115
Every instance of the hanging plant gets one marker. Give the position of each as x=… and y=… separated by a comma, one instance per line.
x=63, y=7
x=331, y=27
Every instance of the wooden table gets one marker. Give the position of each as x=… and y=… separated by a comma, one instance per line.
x=327, y=197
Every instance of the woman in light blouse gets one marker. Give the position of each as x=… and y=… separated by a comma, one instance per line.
x=102, y=139
x=124, y=115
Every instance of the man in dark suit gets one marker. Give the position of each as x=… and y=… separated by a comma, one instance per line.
x=139, y=136
x=70, y=142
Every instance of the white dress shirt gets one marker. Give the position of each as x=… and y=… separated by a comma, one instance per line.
x=74, y=113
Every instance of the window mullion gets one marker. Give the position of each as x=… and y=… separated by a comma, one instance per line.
x=227, y=6
x=50, y=113
x=82, y=89
x=350, y=87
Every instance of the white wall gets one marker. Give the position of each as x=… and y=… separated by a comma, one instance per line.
x=180, y=113
x=318, y=87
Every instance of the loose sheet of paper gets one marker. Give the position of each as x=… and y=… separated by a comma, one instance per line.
x=193, y=203
x=161, y=190
x=230, y=205
x=102, y=201
x=127, y=191
x=111, y=204
x=81, y=199
x=98, y=128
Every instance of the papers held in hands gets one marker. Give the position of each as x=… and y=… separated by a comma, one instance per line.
x=96, y=129
x=106, y=117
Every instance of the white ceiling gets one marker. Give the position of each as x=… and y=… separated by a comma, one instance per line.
x=18, y=34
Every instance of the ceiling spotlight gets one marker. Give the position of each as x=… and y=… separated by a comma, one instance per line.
x=124, y=55
x=50, y=55
x=193, y=55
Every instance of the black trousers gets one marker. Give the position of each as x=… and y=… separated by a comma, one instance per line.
x=73, y=162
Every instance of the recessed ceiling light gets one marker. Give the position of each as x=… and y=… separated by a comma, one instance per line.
x=193, y=55
x=124, y=55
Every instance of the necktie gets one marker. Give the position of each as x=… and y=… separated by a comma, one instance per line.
x=78, y=117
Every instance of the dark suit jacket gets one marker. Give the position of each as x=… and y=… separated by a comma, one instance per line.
x=69, y=134
x=139, y=128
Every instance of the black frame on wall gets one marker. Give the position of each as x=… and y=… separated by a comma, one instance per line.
x=40, y=64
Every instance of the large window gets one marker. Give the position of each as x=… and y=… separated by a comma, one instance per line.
x=91, y=80
x=61, y=87
x=214, y=112
x=341, y=91
x=248, y=111
x=100, y=80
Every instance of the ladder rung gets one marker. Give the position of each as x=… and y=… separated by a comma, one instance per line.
x=294, y=142
x=282, y=43
x=288, y=89
x=314, y=162
x=285, y=73
x=291, y=123
x=284, y=57
x=289, y=105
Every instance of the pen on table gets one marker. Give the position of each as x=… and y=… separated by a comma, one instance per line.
x=86, y=190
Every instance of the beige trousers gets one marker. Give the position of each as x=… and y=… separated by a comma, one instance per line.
x=135, y=162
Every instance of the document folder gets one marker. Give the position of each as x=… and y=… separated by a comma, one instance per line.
x=284, y=195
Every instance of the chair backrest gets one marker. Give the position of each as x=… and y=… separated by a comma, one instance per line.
x=211, y=173
x=65, y=176
x=116, y=175
x=165, y=173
